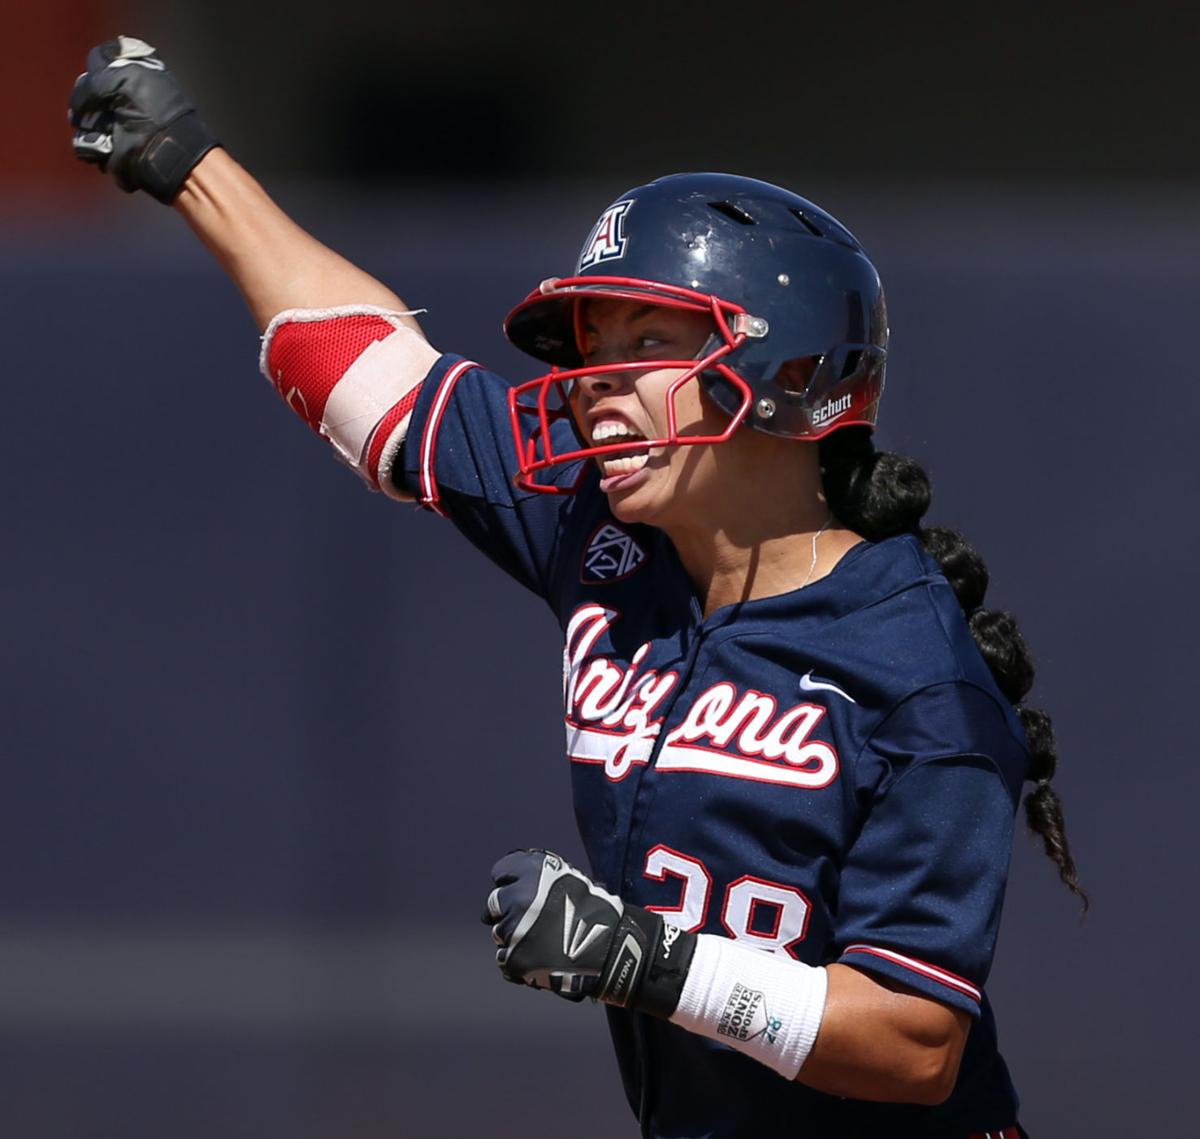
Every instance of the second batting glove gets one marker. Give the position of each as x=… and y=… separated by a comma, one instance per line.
x=559, y=930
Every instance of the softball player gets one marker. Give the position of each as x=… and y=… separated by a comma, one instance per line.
x=796, y=736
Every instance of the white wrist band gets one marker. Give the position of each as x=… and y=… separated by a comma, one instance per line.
x=768, y=1006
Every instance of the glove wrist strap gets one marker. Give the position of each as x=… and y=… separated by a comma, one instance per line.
x=172, y=155
x=647, y=965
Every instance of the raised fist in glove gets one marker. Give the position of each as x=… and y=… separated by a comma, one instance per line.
x=558, y=930
x=133, y=121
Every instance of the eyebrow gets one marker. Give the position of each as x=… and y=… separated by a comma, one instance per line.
x=636, y=314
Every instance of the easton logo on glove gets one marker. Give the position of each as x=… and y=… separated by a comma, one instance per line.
x=559, y=930
x=574, y=943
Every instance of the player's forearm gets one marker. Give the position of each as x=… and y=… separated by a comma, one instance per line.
x=834, y=1028
x=275, y=263
x=880, y=1042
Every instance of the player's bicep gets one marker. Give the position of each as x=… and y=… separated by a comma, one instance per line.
x=462, y=443
x=460, y=460
x=922, y=887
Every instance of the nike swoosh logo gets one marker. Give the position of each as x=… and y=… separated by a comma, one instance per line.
x=807, y=684
x=576, y=942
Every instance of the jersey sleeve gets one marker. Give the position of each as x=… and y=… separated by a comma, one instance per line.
x=459, y=460
x=923, y=883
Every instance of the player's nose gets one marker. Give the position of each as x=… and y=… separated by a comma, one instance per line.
x=594, y=387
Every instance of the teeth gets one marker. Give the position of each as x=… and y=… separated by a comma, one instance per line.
x=613, y=429
x=623, y=464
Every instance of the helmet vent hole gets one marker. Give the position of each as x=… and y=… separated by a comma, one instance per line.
x=808, y=225
x=853, y=359
x=734, y=213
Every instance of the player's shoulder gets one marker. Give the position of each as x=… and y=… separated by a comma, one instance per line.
x=896, y=599
x=932, y=691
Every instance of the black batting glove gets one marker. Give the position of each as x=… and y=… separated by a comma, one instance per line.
x=560, y=931
x=133, y=121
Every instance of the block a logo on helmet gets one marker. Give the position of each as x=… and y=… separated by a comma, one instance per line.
x=606, y=242
x=799, y=324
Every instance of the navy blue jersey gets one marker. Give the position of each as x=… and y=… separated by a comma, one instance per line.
x=829, y=774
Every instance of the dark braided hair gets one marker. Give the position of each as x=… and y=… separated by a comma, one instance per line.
x=879, y=494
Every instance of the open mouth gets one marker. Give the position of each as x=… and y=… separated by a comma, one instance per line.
x=610, y=431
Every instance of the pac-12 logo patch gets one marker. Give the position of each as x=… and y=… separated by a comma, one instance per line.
x=607, y=240
x=610, y=555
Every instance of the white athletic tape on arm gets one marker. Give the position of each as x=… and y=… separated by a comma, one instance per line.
x=766, y=1005
x=386, y=372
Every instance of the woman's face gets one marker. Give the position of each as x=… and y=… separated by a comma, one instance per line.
x=655, y=485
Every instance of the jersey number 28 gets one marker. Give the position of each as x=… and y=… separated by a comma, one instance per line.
x=765, y=914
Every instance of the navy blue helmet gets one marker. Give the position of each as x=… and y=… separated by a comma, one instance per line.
x=800, y=337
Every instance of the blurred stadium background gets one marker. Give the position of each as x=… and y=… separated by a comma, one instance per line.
x=263, y=733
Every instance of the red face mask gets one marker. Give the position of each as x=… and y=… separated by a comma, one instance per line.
x=531, y=419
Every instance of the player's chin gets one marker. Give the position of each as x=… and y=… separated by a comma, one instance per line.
x=626, y=508
x=636, y=497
